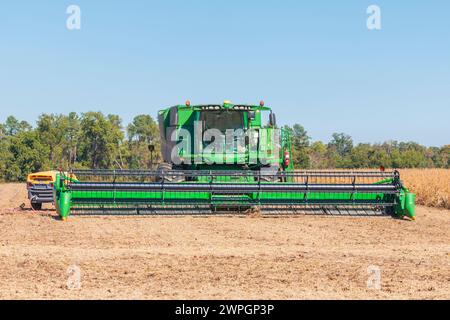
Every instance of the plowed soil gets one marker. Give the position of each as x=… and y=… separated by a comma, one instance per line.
x=304, y=257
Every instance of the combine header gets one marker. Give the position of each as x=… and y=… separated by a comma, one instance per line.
x=222, y=159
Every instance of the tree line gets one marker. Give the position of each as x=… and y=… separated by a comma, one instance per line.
x=341, y=152
x=96, y=140
x=89, y=140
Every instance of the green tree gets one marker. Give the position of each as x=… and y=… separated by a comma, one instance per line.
x=412, y=155
x=25, y=154
x=5, y=155
x=13, y=126
x=300, y=142
x=412, y=159
x=50, y=135
x=143, y=142
x=360, y=155
x=379, y=157
x=100, y=140
x=60, y=135
x=444, y=157
x=396, y=158
x=343, y=143
x=339, y=149
x=318, y=155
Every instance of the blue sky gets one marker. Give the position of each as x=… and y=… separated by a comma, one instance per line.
x=314, y=62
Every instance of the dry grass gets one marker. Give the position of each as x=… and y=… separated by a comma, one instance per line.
x=431, y=186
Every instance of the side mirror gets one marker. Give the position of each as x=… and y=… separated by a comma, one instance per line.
x=272, y=119
x=251, y=116
x=173, y=117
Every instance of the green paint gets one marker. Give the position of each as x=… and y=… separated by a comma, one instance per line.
x=67, y=199
x=410, y=206
x=63, y=197
x=181, y=118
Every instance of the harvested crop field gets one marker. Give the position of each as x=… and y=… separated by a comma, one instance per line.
x=304, y=257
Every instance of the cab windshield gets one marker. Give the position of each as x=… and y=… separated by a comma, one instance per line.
x=222, y=120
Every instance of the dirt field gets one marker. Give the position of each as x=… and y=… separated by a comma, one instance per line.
x=305, y=257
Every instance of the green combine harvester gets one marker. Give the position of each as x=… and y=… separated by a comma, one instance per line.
x=225, y=159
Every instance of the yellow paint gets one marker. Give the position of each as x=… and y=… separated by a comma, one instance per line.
x=44, y=177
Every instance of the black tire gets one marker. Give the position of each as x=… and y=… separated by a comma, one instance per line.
x=36, y=206
x=269, y=174
x=161, y=171
x=163, y=174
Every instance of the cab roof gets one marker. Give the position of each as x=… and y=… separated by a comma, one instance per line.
x=227, y=105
